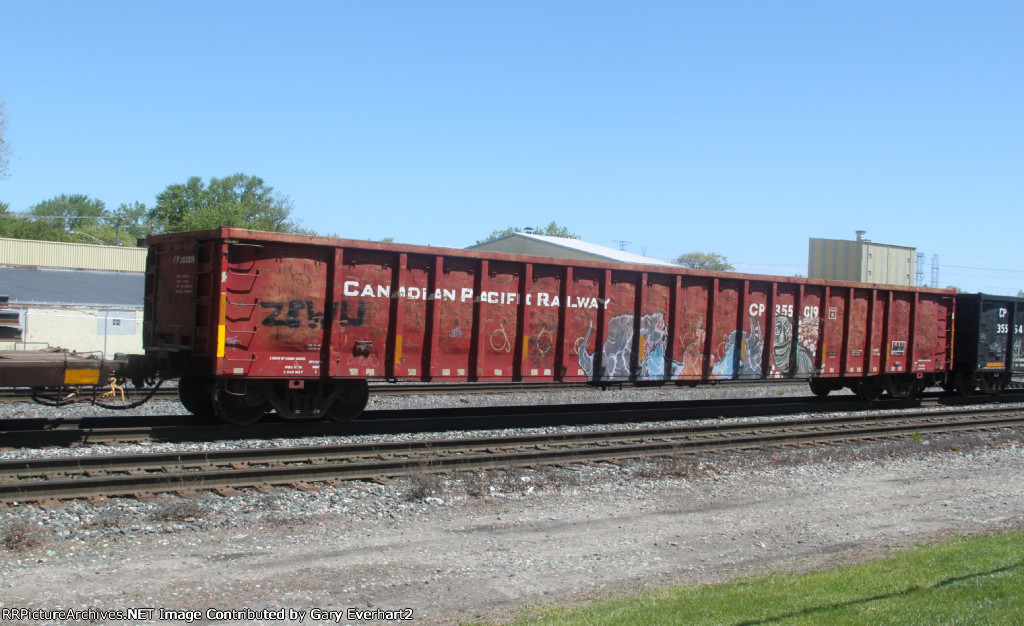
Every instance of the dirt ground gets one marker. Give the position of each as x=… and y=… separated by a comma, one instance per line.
x=487, y=557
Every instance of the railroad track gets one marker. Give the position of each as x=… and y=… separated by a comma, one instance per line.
x=67, y=431
x=44, y=479
x=387, y=389
x=170, y=393
x=412, y=389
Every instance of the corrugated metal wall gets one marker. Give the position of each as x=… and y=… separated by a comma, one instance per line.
x=71, y=255
x=888, y=265
x=861, y=261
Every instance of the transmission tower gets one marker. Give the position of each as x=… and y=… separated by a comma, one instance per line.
x=935, y=271
x=919, y=279
x=622, y=244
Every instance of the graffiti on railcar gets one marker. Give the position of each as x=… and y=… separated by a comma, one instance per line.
x=652, y=362
x=692, y=363
x=499, y=339
x=810, y=331
x=783, y=362
x=741, y=353
x=539, y=351
x=293, y=316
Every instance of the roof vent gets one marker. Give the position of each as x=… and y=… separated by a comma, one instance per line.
x=860, y=235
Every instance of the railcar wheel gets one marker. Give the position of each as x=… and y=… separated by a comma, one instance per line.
x=240, y=407
x=820, y=387
x=350, y=403
x=902, y=387
x=869, y=388
x=965, y=384
x=993, y=383
x=196, y=394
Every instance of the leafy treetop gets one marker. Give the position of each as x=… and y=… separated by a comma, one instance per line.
x=240, y=201
x=551, y=230
x=705, y=261
x=77, y=218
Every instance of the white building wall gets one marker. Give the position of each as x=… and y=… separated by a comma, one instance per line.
x=83, y=329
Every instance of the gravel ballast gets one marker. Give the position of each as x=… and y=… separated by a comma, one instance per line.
x=481, y=545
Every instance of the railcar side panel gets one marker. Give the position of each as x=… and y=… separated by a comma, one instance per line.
x=274, y=311
x=1017, y=339
x=411, y=353
x=456, y=316
x=540, y=341
x=878, y=330
x=789, y=358
x=655, y=349
x=809, y=329
x=499, y=313
x=931, y=338
x=755, y=305
x=691, y=339
x=857, y=353
x=582, y=321
x=260, y=305
x=616, y=318
x=899, y=307
x=833, y=332
x=361, y=307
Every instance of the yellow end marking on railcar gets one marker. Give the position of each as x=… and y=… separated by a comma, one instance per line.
x=81, y=377
x=526, y=348
x=994, y=364
x=398, y=348
x=221, y=331
x=643, y=344
x=221, y=335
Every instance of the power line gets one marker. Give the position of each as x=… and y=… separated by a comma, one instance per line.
x=986, y=269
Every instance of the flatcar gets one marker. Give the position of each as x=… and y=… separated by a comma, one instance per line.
x=249, y=321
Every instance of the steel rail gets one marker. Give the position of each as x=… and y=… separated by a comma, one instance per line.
x=20, y=394
x=360, y=461
x=80, y=430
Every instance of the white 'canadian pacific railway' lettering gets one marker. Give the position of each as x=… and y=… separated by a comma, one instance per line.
x=356, y=289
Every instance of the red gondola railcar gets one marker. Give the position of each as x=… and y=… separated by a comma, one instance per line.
x=250, y=319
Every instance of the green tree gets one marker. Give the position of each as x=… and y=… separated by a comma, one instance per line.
x=6, y=221
x=705, y=261
x=551, y=230
x=75, y=217
x=131, y=222
x=239, y=201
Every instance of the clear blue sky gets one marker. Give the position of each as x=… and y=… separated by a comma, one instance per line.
x=742, y=128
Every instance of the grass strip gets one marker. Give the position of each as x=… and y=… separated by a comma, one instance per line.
x=969, y=580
